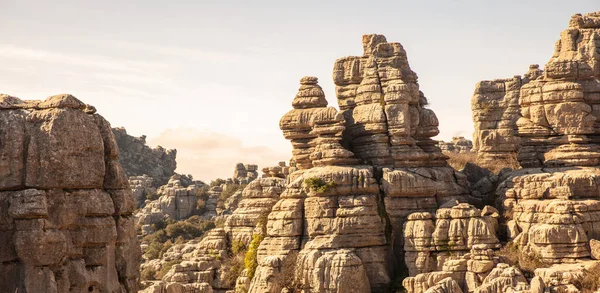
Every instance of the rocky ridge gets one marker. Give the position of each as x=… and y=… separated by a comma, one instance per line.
x=138, y=159
x=65, y=205
x=458, y=144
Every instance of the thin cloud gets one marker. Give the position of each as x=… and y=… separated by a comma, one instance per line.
x=177, y=52
x=83, y=60
x=210, y=155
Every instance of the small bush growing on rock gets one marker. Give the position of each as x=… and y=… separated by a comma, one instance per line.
x=237, y=247
x=148, y=273
x=217, y=182
x=459, y=160
x=319, y=185
x=590, y=282
x=188, y=229
x=234, y=264
x=250, y=261
x=165, y=268
x=201, y=198
x=526, y=261
x=285, y=279
x=229, y=190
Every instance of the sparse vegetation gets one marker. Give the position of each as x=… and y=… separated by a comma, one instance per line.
x=250, y=260
x=217, y=182
x=201, y=198
x=528, y=261
x=234, y=264
x=319, y=185
x=590, y=282
x=237, y=247
x=459, y=160
x=174, y=232
x=166, y=267
x=148, y=273
x=286, y=278
x=229, y=190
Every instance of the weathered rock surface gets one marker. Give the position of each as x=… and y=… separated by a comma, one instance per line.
x=66, y=220
x=255, y=203
x=200, y=262
x=387, y=123
x=138, y=159
x=244, y=173
x=456, y=231
x=142, y=188
x=177, y=200
x=551, y=208
x=361, y=172
x=458, y=144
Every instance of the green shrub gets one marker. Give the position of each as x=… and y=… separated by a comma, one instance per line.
x=229, y=190
x=188, y=229
x=217, y=182
x=234, y=264
x=148, y=273
x=250, y=261
x=526, y=261
x=237, y=247
x=166, y=267
x=319, y=185
x=153, y=250
x=590, y=282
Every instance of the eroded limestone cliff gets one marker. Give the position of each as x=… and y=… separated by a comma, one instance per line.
x=66, y=220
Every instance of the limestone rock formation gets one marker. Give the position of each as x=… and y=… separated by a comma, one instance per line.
x=458, y=144
x=142, y=188
x=201, y=264
x=176, y=200
x=360, y=173
x=256, y=202
x=244, y=174
x=139, y=159
x=66, y=220
x=456, y=231
x=547, y=121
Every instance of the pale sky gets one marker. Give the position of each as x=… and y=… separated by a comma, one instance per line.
x=212, y=78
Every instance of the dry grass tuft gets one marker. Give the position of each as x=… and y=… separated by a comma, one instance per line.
x=527, y=261
x=459, y=160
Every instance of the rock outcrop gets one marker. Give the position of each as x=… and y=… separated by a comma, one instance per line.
x=177, y=200
x=138, y=159
x=550, y=208
x=202, y=263
x=66, y=220
x=458, y=144
x=360, y=173
x=244, y=173
x=142, y=188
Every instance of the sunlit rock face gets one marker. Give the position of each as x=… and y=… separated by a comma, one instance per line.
x=138, y=159
x=361, y=172
x=66, y=220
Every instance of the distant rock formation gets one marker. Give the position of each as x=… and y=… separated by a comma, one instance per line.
x=176, y=200
x=66, y=221
x=138, y=159
x=458, y=144
x=244, y=173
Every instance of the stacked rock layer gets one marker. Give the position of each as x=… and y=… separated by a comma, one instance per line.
x=66, y=220
x=360, y=173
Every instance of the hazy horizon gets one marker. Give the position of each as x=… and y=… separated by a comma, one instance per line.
x=212, y=79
